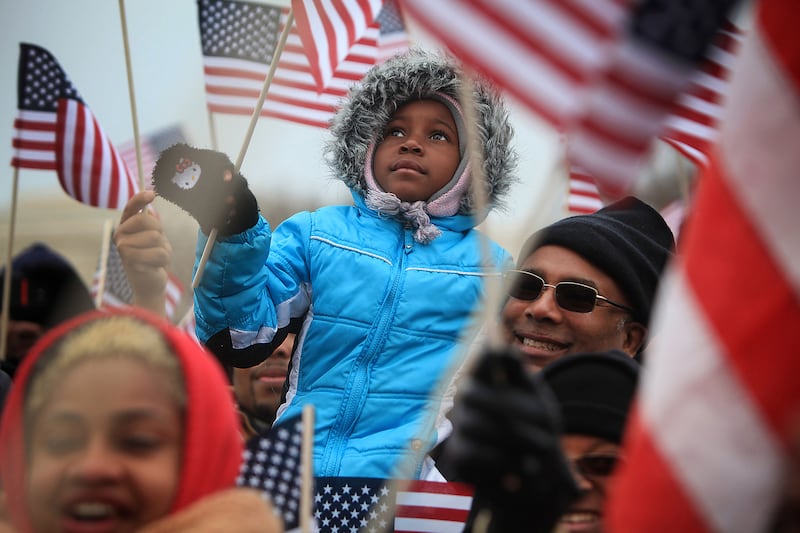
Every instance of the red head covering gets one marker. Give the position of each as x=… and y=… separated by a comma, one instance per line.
x=212, y=445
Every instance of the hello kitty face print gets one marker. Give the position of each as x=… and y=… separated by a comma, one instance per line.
x=187, y=173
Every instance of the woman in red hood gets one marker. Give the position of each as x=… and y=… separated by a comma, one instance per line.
x=119, y=422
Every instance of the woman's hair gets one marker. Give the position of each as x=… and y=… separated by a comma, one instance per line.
x=112, y=337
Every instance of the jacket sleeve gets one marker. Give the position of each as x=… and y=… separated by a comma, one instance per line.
x=244, y=299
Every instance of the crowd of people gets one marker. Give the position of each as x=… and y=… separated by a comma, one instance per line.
x=361, y=311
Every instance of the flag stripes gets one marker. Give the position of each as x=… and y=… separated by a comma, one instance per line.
x=432, y=506
x=691, y=127
x=329, y=29
x=583, y=196
x=35, y=140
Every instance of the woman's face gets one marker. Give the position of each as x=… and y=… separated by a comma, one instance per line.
x=592, y=460
x=105, y=450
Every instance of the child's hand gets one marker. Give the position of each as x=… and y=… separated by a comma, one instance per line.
x=203, y=183
x=145, y=252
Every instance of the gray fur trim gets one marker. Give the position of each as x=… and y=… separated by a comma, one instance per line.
x=416, y=74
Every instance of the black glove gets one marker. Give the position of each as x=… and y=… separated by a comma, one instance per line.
x=506, y=442
x=193, y=179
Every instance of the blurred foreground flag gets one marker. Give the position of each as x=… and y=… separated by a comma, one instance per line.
x=713, y=441
x=692, y=127
x=55, y=130
x=605, y=72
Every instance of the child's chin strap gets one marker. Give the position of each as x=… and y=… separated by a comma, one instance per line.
x=412, y=212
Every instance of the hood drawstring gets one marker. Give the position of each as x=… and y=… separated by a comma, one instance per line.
x=414, y=213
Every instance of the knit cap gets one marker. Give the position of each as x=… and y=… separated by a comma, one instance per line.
x=45, y=288
x=628, y=240
x=594, y=391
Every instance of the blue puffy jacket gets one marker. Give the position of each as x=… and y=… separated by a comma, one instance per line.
x=383, y=317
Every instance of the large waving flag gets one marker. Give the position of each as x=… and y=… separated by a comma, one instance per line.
x=714, y=433
x=328, y=31
x=239, y=40
x=55, y=130
x=606, y=72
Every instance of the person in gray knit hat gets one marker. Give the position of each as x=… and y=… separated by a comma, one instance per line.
x=381, y=289
x=587, y=283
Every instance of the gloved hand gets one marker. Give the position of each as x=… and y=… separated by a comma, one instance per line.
x=204, y=184
x=506, y=442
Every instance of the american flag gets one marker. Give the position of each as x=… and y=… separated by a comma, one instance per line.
x=117, y=291
x=596, y=70
x=379, y=505
x=238, y=41
x=328, y=31
x=55, y=130
x=271, y=463
x=151, y=146
x=713, y=437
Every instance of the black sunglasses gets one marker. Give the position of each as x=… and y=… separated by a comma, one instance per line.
x=595, y=465
x=570, y=295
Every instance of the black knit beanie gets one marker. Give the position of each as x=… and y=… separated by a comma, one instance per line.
x=628, y=240
x=45, y=288
x=594, y=391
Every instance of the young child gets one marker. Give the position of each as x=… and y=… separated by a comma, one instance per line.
x=380, y=292
x=120, y=422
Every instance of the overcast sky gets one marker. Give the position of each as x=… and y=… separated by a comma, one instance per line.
x=283, y=159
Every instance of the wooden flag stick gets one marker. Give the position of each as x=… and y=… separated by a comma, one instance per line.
x=4, y=313
x=105, y=248
x=493, y=278
x=131, y=94
x=307, y=469
x=212, y=236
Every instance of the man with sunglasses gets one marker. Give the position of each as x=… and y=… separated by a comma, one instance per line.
x=587, y=283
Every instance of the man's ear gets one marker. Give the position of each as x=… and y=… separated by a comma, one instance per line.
x=635, y=334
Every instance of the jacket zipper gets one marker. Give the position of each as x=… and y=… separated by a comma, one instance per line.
x=356, y=391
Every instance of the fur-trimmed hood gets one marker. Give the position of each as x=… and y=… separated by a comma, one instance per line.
x=410, y=76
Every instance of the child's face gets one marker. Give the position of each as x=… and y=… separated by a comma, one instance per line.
x=419, y=152
x=105, y=450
